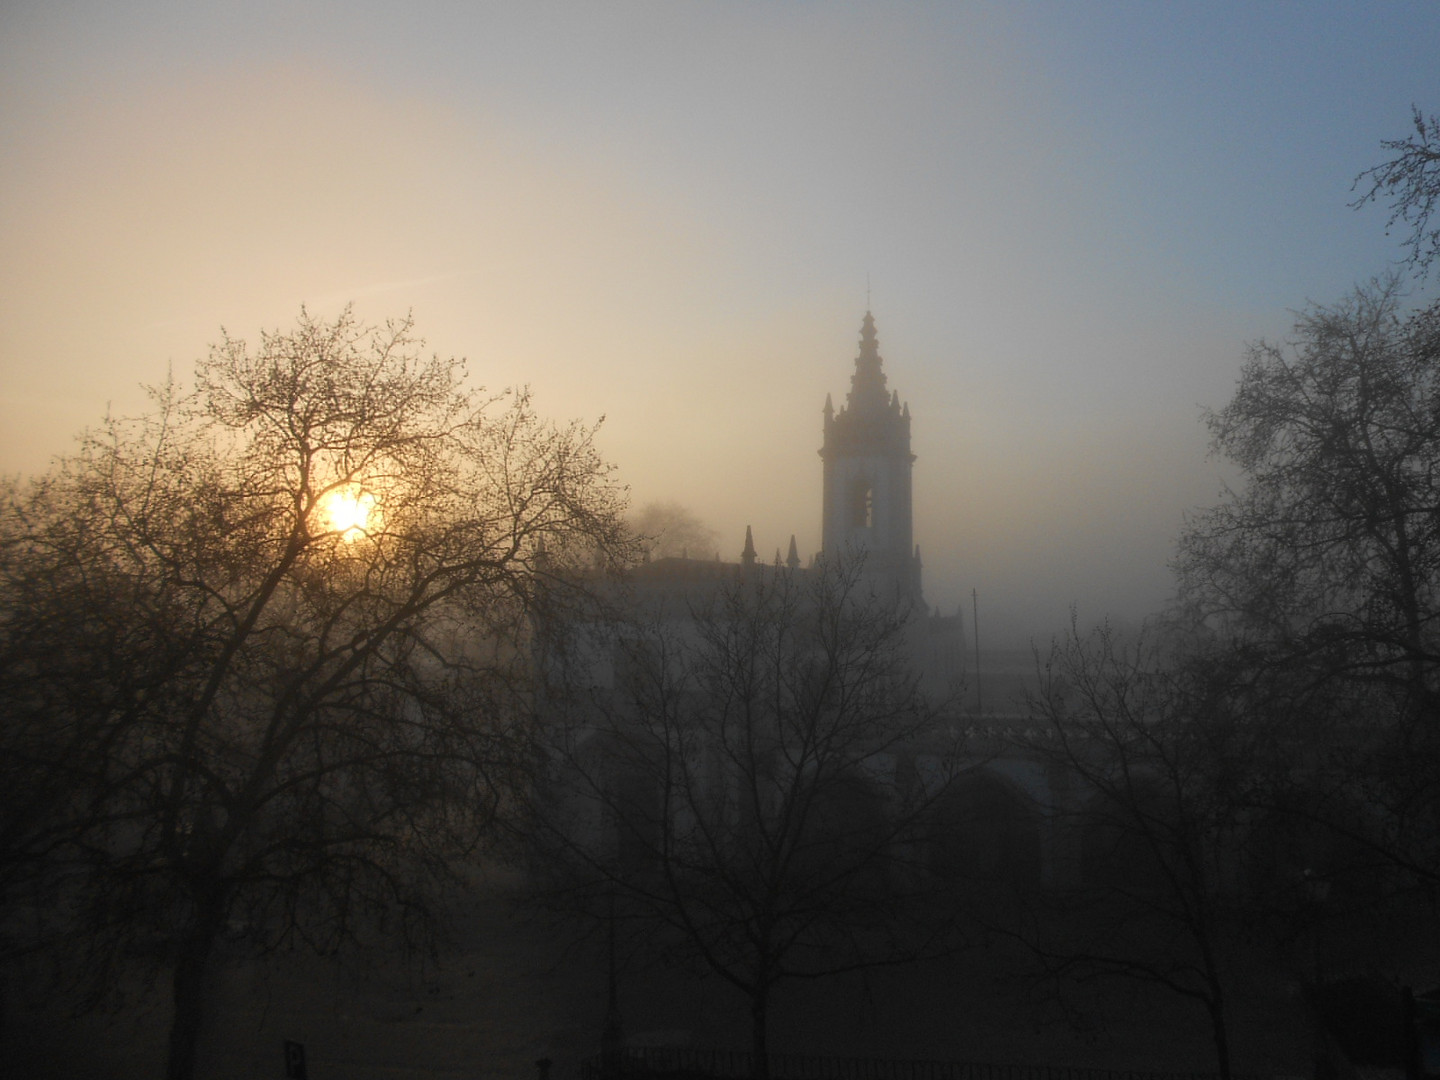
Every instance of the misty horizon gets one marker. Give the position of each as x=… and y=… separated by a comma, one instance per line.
x=1070, y=225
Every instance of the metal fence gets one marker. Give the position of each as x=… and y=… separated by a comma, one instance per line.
x=657, y=1062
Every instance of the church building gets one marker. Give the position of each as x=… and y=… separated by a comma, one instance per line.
x=867, y=505
x=867, y=512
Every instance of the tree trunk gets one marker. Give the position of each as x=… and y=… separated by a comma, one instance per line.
x=191, y=966
x=759, y=1044
x=1218, y=1032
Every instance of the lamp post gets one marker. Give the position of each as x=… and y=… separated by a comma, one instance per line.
x=1317, y=891
x=612, y=1036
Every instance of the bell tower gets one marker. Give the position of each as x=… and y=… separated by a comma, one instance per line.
x=867, y=503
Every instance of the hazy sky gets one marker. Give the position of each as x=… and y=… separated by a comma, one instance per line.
x=1072, y=216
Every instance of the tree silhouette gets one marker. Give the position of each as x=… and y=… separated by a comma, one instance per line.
x=1410, y=181
x=259, y=646
x=1320, y=576
x=750, y=790
x=1160, y=801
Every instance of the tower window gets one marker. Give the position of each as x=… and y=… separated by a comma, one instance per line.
x=862, y=505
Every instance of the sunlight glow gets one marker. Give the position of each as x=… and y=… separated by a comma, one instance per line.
x=351, y=511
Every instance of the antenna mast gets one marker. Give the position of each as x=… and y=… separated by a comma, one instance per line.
x=975, y=616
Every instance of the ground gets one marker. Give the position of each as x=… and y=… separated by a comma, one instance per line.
x=512, y=991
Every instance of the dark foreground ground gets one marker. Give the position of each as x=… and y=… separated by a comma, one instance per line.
x=512, y=992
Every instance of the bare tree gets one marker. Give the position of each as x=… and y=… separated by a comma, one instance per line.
x=1160, y=804
x=754, y=782
x=1321, y=575
x=1410, y=182
x=258, y=647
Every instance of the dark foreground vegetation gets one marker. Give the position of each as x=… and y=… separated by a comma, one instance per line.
x=259, y=656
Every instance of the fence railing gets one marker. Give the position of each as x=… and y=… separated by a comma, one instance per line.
x=639, y=1062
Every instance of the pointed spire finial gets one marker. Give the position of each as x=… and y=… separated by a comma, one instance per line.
x=792, y=560
x=867, y=385
x=748, y=555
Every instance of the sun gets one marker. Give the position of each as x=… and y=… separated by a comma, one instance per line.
x=351, y=511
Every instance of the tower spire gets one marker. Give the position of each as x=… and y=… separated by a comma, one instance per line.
x=867, y=385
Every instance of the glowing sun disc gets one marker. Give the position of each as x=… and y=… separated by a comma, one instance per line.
x=350, y=511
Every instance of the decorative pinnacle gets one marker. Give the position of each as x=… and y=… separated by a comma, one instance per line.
x=748, y=555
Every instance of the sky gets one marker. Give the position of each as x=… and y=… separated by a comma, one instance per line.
x=1068, y=219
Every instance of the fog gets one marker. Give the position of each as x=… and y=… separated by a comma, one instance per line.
x=1067, y=223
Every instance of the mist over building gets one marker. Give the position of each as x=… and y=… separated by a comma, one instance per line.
x=867, y=518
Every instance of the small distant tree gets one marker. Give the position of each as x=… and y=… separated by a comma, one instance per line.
x=666, y=529
x=1410, y=182
x=755, y=783
x=259, y=647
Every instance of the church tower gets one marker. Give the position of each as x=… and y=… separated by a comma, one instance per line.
x=867, y=504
